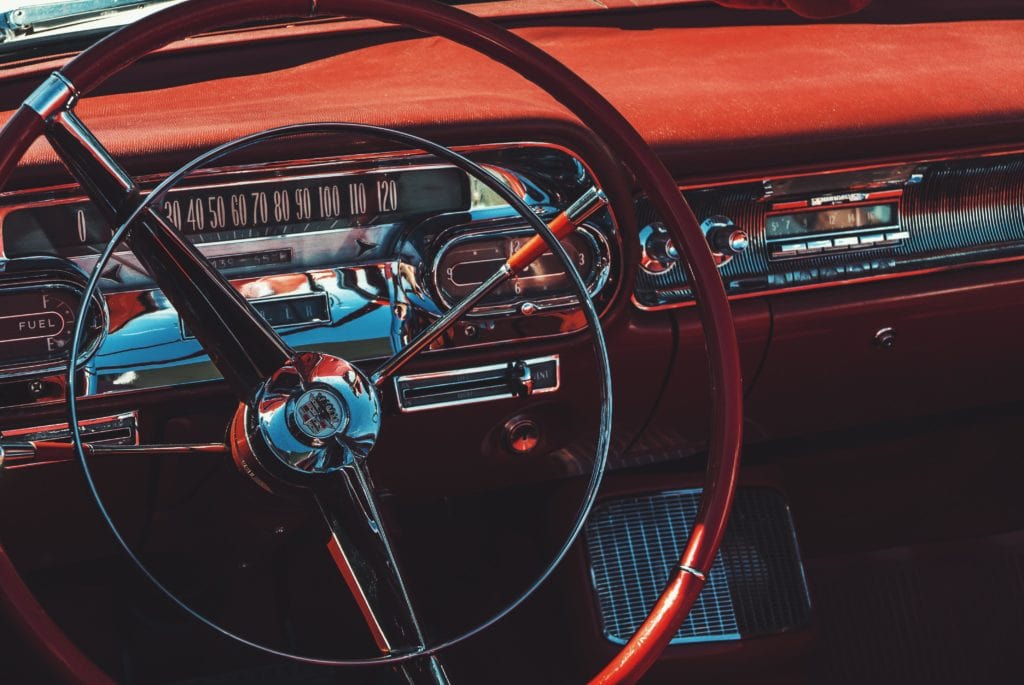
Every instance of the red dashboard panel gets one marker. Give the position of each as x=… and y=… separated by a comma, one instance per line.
x=823, y=87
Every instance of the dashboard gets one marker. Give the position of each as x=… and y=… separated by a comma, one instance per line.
x=867, y=225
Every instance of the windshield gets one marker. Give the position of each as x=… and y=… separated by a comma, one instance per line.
x=22, y=20
x=61, y=22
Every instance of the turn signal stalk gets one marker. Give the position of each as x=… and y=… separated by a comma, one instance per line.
x=562, y=225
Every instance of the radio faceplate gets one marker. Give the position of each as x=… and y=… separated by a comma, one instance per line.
x=854, y=221
x=844, y=226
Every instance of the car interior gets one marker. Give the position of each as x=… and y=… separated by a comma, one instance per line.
x=511, y=341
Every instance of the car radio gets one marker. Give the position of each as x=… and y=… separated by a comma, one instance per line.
x=833, y=223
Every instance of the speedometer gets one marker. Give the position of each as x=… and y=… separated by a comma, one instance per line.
x=252, y=210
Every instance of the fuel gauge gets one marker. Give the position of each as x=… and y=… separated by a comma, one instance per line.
x=37, y=323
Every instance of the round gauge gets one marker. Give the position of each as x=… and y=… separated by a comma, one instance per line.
x=37, y=323
x=466, y=262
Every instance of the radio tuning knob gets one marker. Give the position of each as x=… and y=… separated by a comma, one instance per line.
x=659, y=252
x=725, y=238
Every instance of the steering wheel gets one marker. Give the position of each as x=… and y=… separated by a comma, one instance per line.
x=273, y=440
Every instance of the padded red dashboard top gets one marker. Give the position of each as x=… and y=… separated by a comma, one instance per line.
x=710, y=98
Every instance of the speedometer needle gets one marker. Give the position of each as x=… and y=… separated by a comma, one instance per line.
x=561, y=226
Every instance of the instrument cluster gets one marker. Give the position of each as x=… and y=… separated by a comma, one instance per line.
x=350, y=256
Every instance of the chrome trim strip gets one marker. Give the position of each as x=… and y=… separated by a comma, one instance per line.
x=475, y=369
x=795, y=171
x=174, y=448
x=832, y=284
x=16, y=450
x=131, y=419
x=53, y=95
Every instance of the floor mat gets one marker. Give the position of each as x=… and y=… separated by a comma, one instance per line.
x=946, y=613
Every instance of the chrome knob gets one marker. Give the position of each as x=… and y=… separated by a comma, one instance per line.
x=725, y=238
x=726, y=241
x=659, y=252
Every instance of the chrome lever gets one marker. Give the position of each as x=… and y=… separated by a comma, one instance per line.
x=520, y=377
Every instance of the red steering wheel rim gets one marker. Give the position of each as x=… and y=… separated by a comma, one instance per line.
x=109, y=56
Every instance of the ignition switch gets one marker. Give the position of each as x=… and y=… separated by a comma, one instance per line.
x=522, y=434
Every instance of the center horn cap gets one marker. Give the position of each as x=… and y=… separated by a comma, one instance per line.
x=315, y=415
x=319, y=413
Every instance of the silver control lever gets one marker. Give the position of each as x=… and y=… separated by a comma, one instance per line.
x=521, y=379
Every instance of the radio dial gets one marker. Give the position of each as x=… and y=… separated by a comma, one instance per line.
x=733, y=242
x=659, y=252
x=725, y=238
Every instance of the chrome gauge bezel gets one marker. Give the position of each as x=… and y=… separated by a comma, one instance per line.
x=466, y=233
x=37, y=275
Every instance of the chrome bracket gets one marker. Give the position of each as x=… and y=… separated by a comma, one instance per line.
x=53, y=95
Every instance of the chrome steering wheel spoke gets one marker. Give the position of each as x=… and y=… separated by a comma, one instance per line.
x=243, y=346
x=361, y=548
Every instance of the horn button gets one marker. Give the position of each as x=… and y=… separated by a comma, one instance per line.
x=315, y=415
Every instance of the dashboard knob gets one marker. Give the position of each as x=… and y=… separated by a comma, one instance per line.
x=725, y=238
x=659, y=252
x=734, y=241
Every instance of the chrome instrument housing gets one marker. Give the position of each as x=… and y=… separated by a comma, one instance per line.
x=375, y=302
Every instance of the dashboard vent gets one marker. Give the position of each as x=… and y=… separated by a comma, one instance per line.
x=756, y=586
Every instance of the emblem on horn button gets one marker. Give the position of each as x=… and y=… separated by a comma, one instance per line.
x=319, y=413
